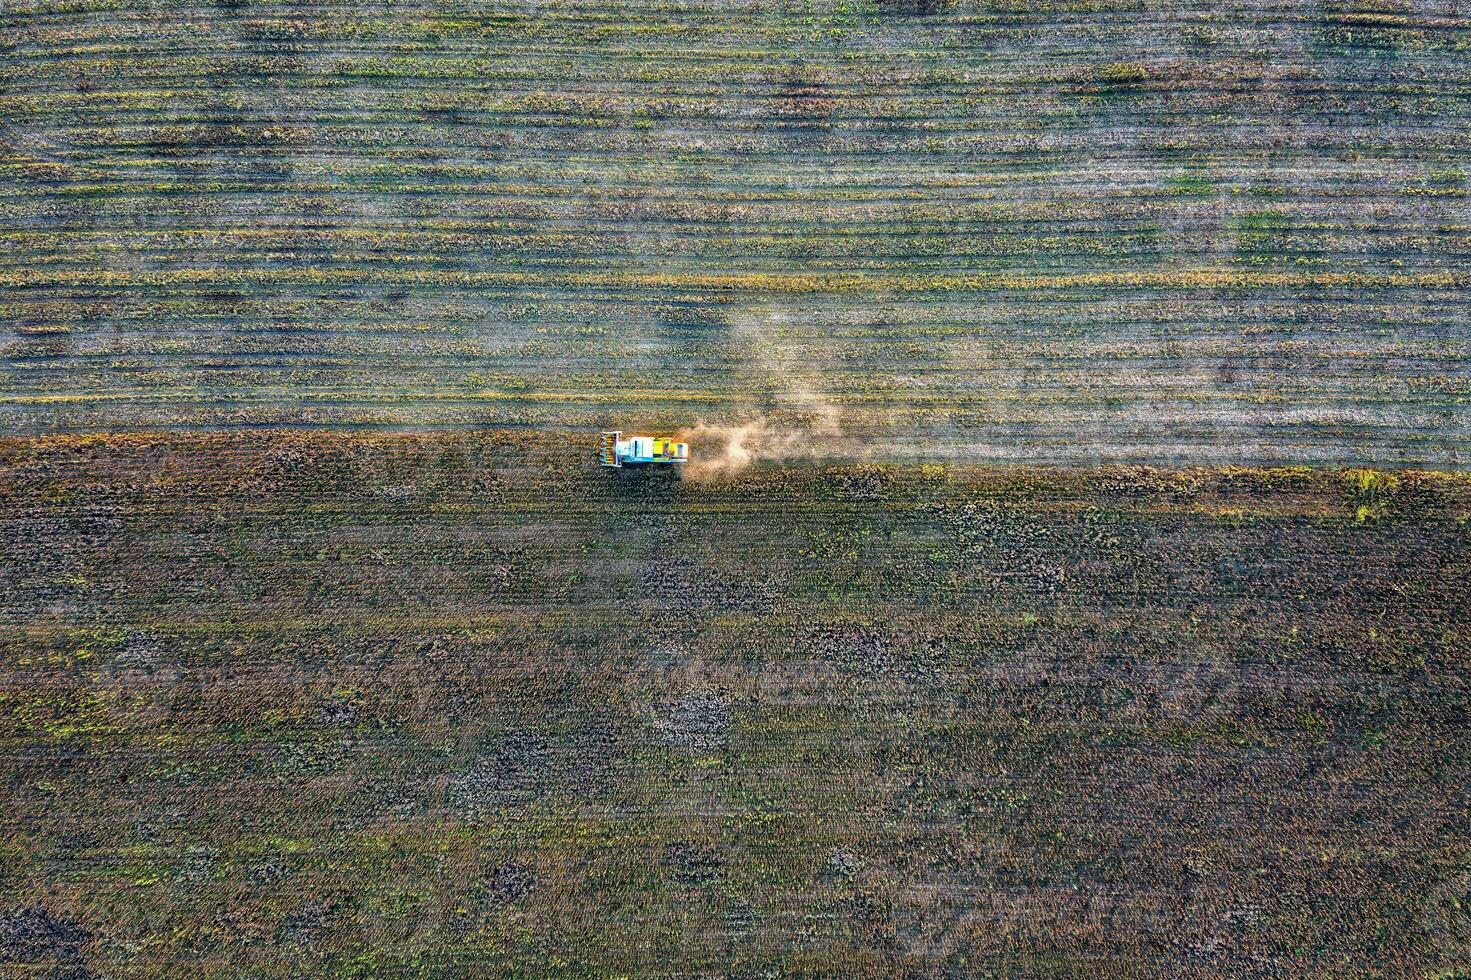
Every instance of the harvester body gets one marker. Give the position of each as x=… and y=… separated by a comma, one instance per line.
x=621, y=450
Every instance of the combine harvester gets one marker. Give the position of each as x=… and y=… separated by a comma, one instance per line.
x=638, y=450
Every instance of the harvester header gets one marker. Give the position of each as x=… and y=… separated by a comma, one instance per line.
x=619, y=450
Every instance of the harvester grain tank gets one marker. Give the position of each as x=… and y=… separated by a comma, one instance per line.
x=618, y=450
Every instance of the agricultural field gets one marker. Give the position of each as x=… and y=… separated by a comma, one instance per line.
x=1069, y=578
x=294, y=704
x=980, y=231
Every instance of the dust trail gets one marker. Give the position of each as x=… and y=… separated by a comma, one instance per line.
x=724, y=450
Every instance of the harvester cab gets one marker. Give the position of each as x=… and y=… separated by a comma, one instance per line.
x=618, y=450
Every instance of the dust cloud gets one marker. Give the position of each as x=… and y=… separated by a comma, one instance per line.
x=718, y=450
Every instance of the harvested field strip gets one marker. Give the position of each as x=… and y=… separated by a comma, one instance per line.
x=231, y=202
